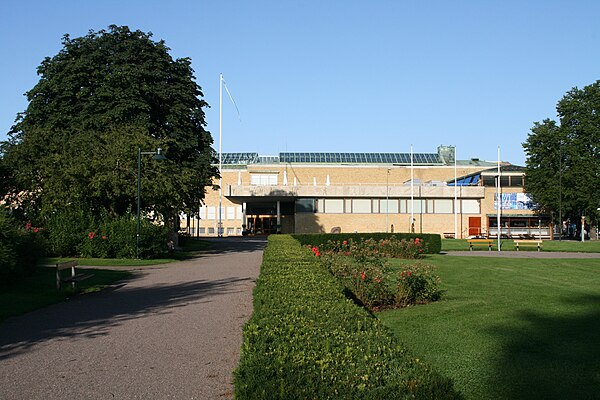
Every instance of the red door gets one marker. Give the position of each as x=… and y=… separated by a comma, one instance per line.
x=474, y=226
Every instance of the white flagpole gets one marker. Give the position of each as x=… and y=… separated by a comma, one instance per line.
x=412, y=191
x=499, y=201
x=220, y=223
x=455, y=199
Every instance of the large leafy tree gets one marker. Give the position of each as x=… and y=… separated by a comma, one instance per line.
x=99, y=99
x=563, y=161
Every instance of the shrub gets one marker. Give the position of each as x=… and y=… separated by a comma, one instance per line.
x=116, y=238
x=431, y=243
x=20, y=249
x=65, y=230
x=306, y=340
x=417, y=284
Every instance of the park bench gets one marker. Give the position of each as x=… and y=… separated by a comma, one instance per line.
x=480, y=242
x=72, y=278
x=528, y=243
x=449, y=235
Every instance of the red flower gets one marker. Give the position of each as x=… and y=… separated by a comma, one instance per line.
x=104, y=237
x=345, y=242
x=317, y=254
x=409, y=273
x=91, y=235
x=36, y=230
x=363, y=275
x=28, y=226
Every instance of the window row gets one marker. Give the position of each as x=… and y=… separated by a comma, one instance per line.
x=228, y=213
x=387, y=206
x=213, y=231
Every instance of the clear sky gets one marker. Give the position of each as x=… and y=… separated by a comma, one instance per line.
x=342, y=76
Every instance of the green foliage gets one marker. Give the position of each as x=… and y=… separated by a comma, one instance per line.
x=20, y=249
x=417, y=284
x=103, y=96
x=306, y=340
x=562, y=166
x=65, y=230
x=364, y=270
x=431, y=243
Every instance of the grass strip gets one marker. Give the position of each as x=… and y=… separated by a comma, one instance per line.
x=39, y=290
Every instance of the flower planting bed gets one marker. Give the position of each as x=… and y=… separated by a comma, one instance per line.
x=307, y=340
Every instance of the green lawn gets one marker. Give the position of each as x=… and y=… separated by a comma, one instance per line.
x=549, y=245
x=39, y=290
x=510, y=328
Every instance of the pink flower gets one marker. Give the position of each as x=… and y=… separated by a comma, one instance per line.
x=91, y=235
x=345, y=242
x=363, y=275
x=36, y=230
x=28, y=226
x=104, y=237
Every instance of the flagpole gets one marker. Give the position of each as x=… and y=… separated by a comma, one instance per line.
x=499, y=201
x=412, y=192
x=220, y=223
x=455, y=199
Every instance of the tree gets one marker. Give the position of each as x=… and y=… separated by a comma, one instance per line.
x=563, y=167
x=99, y=99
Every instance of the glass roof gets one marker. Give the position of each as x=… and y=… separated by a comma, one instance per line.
x=333, y=158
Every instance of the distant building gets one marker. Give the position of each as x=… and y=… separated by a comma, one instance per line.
x=366, y=192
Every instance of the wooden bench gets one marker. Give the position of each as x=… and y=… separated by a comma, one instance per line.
x=528, y=243
x=72, y=278
x=480, y=242
x=449, y=235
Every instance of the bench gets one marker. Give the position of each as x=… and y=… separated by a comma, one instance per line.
x=530, y=243
x=72, y=278
x=449, y=235
x=480, y=242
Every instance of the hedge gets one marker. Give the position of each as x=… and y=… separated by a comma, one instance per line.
x=307, y=340
x=433, y=242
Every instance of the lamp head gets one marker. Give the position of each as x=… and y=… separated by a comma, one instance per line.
x=159, y=155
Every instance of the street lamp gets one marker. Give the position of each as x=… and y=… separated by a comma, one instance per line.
x=157, y=155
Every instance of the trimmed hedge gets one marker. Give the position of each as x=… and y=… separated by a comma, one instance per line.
x=433, y=241
x=307, y=340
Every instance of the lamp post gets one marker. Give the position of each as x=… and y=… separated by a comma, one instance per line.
x=157, y=155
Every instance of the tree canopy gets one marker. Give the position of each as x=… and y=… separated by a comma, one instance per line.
x=563, y=161
x=100, y=98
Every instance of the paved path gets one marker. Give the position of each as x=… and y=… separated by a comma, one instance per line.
x=171, y=332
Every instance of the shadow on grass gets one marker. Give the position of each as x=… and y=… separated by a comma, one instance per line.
x=548, y=357
x=96, y=314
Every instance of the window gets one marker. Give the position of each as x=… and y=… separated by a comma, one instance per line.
x=211, y=212
x=361, y=206
x=306, y=206
x=334, y=206
x=388, y=206
x=211, y=231
x=516, y=181
x=238, y=212
x=192, y=231
x=489, y=181
x=202, y=212
x=263, y=179
x=375, y=206
x=470, y=206
x=229, y=231
x=443, y=206
x=418, y=206
x=430, y=208
x=201, y=231
x=230, y=213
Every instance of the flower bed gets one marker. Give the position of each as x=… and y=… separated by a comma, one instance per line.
x=363, y=269
x=307, y=340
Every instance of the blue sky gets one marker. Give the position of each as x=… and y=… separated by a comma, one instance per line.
x=342, y=76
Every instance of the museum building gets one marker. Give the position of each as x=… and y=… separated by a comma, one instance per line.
x=366, y=192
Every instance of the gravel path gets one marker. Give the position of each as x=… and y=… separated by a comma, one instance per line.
x=171, y=332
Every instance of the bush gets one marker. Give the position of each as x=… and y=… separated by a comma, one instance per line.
x=116, y=238
x=307, y=340
x=431, y=243
x=65, y=230
x=20, y=249
x=417, y=284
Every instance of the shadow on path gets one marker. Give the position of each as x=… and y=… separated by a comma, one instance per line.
x=551, y=357
x=93, y=315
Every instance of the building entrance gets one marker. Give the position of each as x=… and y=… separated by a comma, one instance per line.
x=261, y=224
